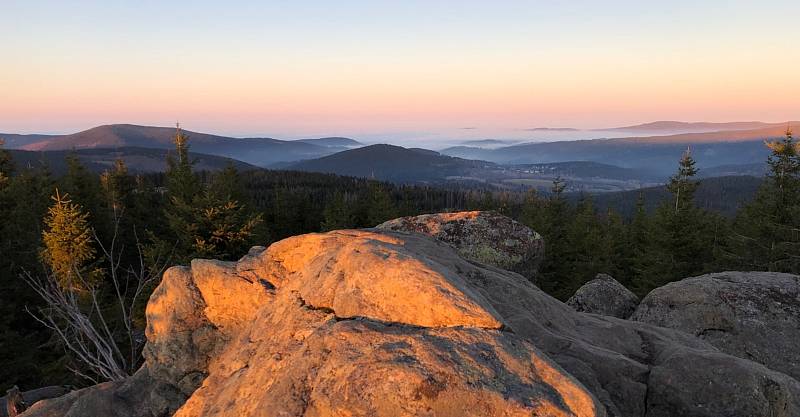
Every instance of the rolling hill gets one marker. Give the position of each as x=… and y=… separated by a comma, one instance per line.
x=138, y=160
x=16, y=141
x=256, y=151
x=721, y=194
x=393, y=163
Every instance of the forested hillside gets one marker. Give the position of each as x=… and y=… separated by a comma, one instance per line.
x=86, y=235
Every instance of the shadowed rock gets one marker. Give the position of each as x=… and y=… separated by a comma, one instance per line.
x=604, y=295
x=752, y=315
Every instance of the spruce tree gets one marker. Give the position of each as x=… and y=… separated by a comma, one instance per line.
x=640, y=249
x=206, y=221
x=118, y=187
x=182, y=183
x=767, y=230
x=337, y=214
x=682, y=185
x=556, y=277
x=380, y=206
x=681, y=243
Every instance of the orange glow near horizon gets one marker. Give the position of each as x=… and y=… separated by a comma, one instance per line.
x=442, y=77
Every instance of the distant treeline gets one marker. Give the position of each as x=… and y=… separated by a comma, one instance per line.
x=61, y=227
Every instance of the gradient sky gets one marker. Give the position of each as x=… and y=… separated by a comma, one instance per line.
x=292, y=69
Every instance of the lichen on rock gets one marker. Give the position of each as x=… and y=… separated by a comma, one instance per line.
x=481, y=236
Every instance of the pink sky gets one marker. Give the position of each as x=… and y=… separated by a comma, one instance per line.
x=392, y=70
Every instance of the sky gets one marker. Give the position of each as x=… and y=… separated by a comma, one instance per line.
x=399, y=69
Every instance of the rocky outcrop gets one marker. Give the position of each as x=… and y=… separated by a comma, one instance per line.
x=348, y=322
x=383, y=323
x=481, y=236
x=752, y=315
x=604, y=295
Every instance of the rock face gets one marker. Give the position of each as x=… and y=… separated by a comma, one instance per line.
x=381, y=323
x=604, y=295
x=752, y=315
x=481, y=236
x=30, y=397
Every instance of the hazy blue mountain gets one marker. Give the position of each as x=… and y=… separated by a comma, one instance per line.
x=487, y=143
x=333, y=142
x=698, y=127
x=758, y=169
x=657, y=154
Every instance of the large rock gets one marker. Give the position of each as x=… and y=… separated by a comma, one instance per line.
x=604, y=295
x=480, y=236
x=752, y=315
x=343, y=323
x=381, y=323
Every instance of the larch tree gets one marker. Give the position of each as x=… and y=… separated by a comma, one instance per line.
x=67, y=240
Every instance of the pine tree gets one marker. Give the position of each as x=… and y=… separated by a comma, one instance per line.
x=767, y=230
x=67, y=242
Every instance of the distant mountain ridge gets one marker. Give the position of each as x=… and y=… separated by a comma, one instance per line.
x=696, y=127
x=659, y=154
x=256, y=151
x=333, y=141
x=137, y=160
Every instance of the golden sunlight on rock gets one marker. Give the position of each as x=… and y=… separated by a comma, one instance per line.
x=394, y=323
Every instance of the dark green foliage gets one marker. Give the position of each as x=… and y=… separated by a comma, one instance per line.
x=651, y=240
x=767, y=231
x=205, y=220
x=6, y=166
x=336, y=214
